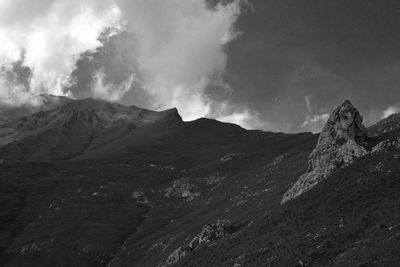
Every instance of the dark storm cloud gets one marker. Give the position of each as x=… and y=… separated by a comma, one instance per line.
x=323, y=51
x=116, y=60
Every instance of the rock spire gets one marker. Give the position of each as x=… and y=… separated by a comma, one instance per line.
x=340, y=142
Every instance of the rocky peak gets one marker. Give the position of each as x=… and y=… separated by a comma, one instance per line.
x=172, y=114
x=340, y=142
x=345, y=122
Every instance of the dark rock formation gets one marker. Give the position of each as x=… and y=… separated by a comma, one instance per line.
x=340, y=142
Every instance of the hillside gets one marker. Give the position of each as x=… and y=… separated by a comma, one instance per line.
x=352, y=219
x=99, y=184
x=73, y=129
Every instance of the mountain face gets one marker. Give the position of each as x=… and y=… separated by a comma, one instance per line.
x=43, y=102
x=70, y=130
x=386, y=125
x=339, y=143
x=90, y=183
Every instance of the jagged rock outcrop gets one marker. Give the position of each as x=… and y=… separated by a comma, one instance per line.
x=340, y=142
x=209, y=234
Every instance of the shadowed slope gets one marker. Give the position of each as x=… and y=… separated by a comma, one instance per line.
x=135, y=196
x=69, y=130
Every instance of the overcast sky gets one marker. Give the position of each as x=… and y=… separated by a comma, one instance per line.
x=297, y=59
x=279, y=65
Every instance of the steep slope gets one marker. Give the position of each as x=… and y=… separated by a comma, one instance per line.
x=43, y=102
x=386, y=125
x=134, y=200
x=350, y=219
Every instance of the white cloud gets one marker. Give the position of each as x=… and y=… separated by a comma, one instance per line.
x=53, y=34
x=390, y=110
x=239, y=114
x=107, y=90
x=246, y=118
x=315, y=123
x=179, y=47
x=14, y=94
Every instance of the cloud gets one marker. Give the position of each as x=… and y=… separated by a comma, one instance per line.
x=13, y=92
x=239, y=114
x=109, y=91
x=172, y=51
x=52, y=35
x=14, y=81
x=390, y=110
x=181, y=50
x=315, y=123
x=176, y=50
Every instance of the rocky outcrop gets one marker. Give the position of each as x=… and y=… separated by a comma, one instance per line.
x=340, y=143
x=176, y=256
x=182, y=189
x=385, y=145
x=208, y=235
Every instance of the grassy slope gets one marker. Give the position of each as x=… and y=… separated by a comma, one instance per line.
x=82, y=212
x=86, y=211
x=352, y=219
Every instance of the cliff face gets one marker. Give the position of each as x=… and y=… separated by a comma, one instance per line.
x=339, y=143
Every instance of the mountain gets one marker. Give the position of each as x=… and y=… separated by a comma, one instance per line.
x=91, y=183
x=75, y=128
x=347, y=215
x=388, y=124
x=42, y=102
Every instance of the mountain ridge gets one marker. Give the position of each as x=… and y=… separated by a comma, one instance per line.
x=72, y=122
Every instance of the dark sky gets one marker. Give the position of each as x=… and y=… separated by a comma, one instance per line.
x=296, y=51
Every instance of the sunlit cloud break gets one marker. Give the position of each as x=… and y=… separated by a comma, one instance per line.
x=179, y=47
x=315, y=123
x=390, y=111
x=53, y=35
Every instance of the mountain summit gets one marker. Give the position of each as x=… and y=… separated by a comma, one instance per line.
x=65, y=128
x=340, y=142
